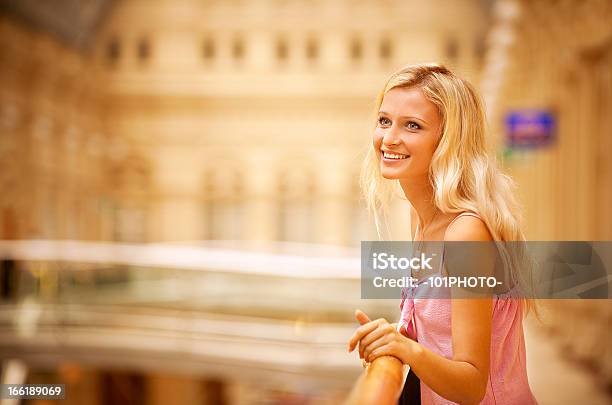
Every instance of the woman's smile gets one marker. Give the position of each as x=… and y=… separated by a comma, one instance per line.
x=393, y=157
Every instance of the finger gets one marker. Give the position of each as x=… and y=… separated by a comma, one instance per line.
x=364, y=330
x=361, y=317
x=382, y=330
x=361, y=332
x=369, y=349
x=384, y=350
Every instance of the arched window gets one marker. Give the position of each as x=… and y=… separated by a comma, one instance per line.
x=362, y=226
x=385, y=50
x=282, y=50
x=296, y=199
x=356, y=50
x=238, y=48
x=113, y=51
x=131, y=188
x=451, y=50
x=223, y=195
x=312, y=49
x=208, y=49
x=143, y=50
x=479, y=49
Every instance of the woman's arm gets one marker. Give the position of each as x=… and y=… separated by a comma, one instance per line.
x=463, y=378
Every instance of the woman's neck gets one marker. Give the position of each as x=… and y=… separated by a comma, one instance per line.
x=420, y=194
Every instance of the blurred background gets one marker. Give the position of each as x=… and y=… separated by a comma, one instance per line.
x=180, y=214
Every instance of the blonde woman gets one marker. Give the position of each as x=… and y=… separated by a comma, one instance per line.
x=430, y=139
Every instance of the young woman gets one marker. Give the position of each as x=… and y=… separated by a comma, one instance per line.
x=430, y=139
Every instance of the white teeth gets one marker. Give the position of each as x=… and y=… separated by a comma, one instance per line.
x=394, y=156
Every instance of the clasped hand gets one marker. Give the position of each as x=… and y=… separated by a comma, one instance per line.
x=379, y=338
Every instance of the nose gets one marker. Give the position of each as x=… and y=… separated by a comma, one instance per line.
x=391, y=137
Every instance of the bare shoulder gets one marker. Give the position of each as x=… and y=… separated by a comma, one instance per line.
x=468, y=228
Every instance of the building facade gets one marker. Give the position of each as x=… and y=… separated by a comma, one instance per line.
x=225, y=120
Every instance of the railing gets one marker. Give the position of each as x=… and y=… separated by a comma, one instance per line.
x=381, y=383
x=122, y=305
x=290, y=284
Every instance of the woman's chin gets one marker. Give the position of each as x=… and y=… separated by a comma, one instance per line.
x=392, y=171
x=389, y=175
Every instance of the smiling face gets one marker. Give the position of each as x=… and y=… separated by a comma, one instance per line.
x=406, y=134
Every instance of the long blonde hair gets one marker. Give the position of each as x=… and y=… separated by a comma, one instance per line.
x=463, y=172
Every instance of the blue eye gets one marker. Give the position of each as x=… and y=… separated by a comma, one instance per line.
x=413, y=125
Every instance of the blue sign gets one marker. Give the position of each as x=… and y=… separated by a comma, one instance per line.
x=529, y=129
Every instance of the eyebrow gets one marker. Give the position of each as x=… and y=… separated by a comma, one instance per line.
x=405, y=116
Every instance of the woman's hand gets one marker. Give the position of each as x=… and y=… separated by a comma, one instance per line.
x=379, y=338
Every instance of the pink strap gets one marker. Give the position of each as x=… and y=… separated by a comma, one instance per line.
x=406, y=323
x=473, y=214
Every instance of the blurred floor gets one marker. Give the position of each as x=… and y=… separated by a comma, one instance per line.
x=555, y=379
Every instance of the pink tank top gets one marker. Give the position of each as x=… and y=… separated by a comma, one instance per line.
x=428, y=321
